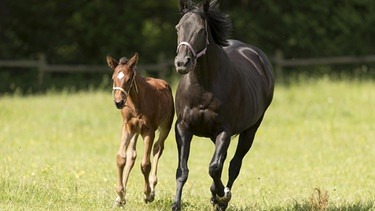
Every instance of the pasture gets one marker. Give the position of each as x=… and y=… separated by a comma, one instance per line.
x=315, y=150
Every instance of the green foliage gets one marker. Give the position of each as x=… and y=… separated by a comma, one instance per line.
x=306, y=28
x=83, y=31
x=58, y=153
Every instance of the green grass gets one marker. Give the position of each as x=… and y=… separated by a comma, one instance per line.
x=314, y=151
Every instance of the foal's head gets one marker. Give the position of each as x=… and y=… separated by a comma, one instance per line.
x=193, y=30
x=123, y=78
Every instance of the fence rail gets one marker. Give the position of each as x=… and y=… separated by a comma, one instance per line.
x=278, y=61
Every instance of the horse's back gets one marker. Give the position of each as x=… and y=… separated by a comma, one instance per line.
x=253, y=65
x=254, y=82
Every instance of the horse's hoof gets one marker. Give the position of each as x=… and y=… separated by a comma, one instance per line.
x=221, y=203
x=119, y=202
x=176, y=207
x=220, y=207
x=150, y=198
x=227, y=196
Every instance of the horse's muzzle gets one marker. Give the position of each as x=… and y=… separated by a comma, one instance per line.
x=120, y=104
x=183, y=64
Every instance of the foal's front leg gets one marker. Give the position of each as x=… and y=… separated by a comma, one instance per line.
x=148, y=140
x=125, y=159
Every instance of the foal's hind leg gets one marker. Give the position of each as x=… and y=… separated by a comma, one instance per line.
x=157, y=152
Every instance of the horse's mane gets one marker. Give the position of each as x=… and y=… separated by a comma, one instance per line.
x=219, y=22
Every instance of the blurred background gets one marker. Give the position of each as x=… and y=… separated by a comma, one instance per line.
x=63, y=44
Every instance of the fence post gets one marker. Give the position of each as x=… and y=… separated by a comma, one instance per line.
x=41, y=69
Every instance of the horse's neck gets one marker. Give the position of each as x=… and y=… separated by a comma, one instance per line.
x=210, y=66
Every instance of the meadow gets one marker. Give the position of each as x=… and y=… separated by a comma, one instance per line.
x=315, y=150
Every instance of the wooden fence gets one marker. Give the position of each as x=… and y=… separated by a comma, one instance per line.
x=162, y=67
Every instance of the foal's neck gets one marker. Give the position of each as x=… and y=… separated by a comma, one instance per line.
x=135, y=91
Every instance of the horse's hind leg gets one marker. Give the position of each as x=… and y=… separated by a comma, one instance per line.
x=244, y=144
x=148, y=140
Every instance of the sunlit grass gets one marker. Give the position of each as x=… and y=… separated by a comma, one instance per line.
x=58, y=152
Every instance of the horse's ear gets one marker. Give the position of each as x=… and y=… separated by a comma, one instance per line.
x=133, y=61
x=111, y=62
x=184, y=5
x=206, y=5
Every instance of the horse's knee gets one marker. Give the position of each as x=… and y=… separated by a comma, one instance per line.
x=121, y=160
x=214, y=170
x=158, y=149
x=182, y=175
x=145, y=167
x=153, y=180
x=120, y=191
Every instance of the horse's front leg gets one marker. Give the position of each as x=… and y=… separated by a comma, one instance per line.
x=220, y=195
x=125, y=158
x=148, y=140
x=183, y=139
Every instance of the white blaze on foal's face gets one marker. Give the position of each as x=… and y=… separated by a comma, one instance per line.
x=120, y=75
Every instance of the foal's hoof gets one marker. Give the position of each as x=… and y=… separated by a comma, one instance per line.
x=119, y=202
x=150, y=198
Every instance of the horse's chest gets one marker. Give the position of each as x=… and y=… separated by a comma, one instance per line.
x=202, y=121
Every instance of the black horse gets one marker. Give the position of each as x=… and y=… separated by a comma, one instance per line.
x=225, y=90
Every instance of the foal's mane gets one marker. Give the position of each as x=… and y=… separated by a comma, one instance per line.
x=220, y=23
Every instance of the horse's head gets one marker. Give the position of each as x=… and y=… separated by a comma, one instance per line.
x=192, y=36
x=123, y=78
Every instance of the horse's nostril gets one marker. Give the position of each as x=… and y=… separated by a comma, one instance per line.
x=188, y=59
x=183, y=62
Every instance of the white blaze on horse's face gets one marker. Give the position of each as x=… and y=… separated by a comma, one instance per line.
x=192, y=41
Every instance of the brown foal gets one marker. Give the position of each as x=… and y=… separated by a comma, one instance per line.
x=146, y=105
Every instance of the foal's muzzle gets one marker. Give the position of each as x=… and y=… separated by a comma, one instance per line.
x=120, y=104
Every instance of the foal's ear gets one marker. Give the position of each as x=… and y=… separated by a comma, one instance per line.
x=111, y=62
x=133, y=61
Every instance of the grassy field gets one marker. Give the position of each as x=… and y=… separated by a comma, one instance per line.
x=314, y=151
